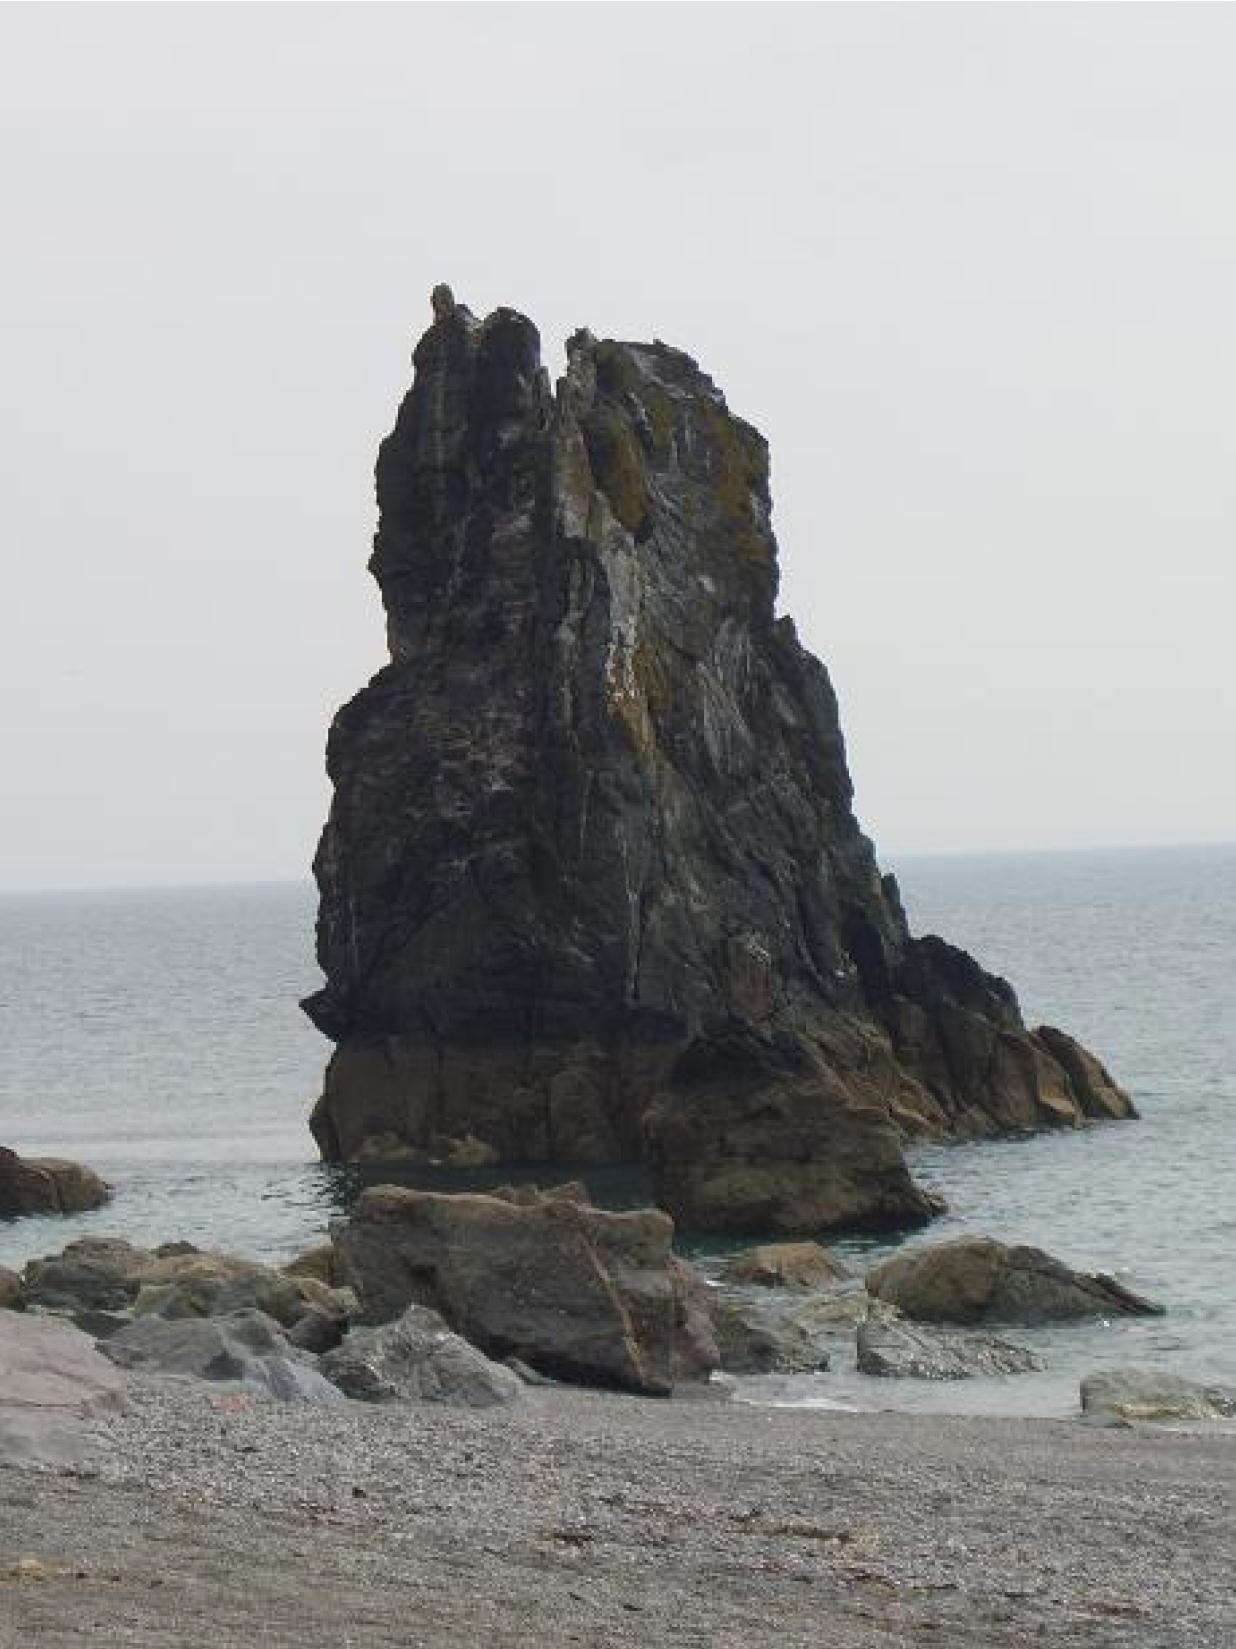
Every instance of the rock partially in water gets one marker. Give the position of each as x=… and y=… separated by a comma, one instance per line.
x=48, y=1185
x=10, y=1291
x=571, y=1290
x=761, y=1331
x=417, y=1358
x=245, y=1348
x=1147, y=1394
x=786, y=1265
x=979, y=1280
x=898, y=1350
x=592, y=887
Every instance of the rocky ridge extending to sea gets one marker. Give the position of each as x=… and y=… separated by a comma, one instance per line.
x=592, y=888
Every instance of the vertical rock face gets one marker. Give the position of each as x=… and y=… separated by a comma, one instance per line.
x=592, y=889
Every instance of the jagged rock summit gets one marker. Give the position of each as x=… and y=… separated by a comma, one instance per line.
x=592, y=889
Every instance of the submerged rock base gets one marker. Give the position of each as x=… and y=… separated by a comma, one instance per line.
x=592, y=888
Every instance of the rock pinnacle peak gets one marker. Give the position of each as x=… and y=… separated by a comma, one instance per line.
x=592, y=887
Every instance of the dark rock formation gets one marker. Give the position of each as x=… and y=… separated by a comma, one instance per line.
x=48, y=1185
x=592, y=889
x=979, y=1280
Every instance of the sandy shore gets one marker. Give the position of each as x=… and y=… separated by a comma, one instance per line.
x=581, y=1518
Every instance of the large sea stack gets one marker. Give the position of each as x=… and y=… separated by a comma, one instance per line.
x=592, y=890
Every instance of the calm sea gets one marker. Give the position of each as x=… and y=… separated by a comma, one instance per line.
x=155, y=1035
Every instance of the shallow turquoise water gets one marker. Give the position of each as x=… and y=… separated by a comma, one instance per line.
x=155, y=1035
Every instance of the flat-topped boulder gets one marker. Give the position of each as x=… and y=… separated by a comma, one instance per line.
x=575, y=1292
x=980, y=1280
x=592, y=886
x=48, y=1185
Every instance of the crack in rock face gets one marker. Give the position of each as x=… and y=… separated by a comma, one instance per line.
x=592, y=889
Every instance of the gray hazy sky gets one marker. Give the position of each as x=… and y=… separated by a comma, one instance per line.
x=971, y=269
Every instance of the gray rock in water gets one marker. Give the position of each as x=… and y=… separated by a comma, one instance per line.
x=1147, y=1394
x=785, y=1265
x=768, y=1333
x=592, y=888
x=902, y=1351
x=246, y=1348
x=979, y=1280
x=419, y=1359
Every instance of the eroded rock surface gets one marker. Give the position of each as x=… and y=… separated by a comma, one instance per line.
x=592, y=888
x=244, y=1348
x=573, y=1291
x=899, y=1350
x=416, y=1358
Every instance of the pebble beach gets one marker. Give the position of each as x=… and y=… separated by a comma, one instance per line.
x=577, y=1517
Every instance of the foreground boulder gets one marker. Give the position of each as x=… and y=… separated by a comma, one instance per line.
x=978, y=1280
x=1146, y=1394
x=245, y=1348
x=48, y=1185
x=54, y=1387
x=417, y=1358
x=592, y=887
x=573, y=1291
x=10, y=1290
x=898, y=1350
